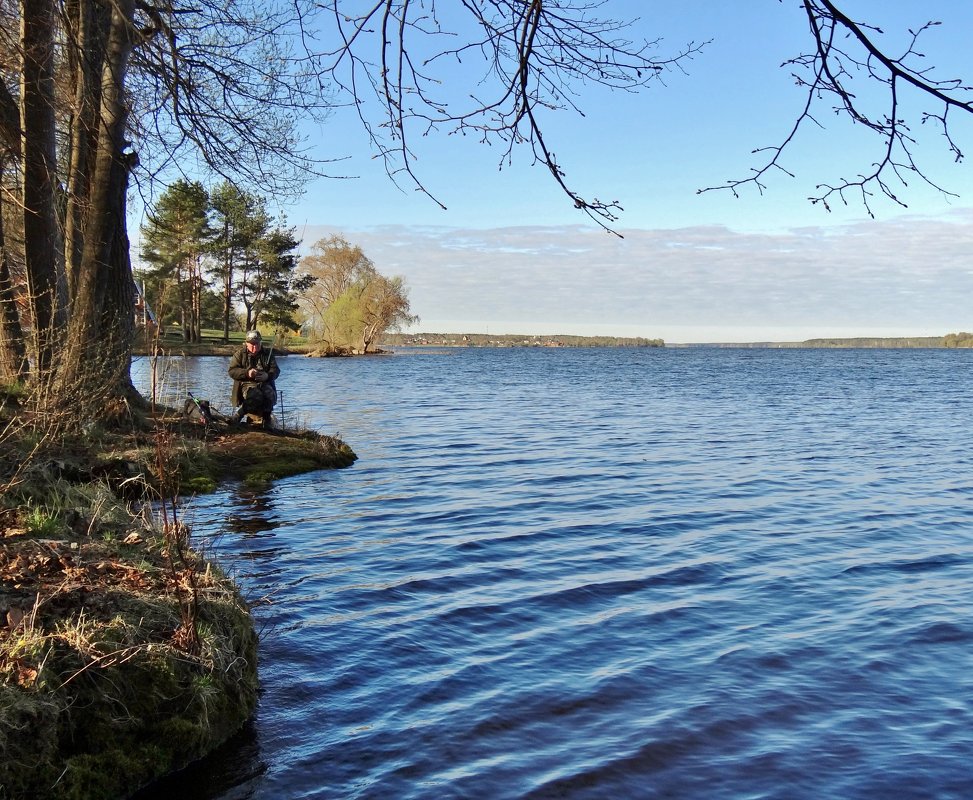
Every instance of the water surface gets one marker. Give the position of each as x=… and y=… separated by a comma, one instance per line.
x=702, y=573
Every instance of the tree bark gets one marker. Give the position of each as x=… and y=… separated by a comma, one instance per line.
x=13, y=353
x=228, y=255
x=101, y=327
x=118, y=314
x=89, y=21
x=38, y=165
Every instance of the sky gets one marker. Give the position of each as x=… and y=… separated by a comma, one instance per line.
x=510, y=254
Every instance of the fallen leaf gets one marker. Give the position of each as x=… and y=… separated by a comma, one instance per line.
x=14, y=617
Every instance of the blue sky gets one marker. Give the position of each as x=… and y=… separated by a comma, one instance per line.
x=510, y=254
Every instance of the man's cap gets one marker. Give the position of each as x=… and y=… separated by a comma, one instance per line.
x=253, y=337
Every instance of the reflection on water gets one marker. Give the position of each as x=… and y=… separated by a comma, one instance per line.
x=254, y=512
x=587, y=574
x=233, y=772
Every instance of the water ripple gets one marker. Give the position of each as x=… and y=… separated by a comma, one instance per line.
x=692, y=573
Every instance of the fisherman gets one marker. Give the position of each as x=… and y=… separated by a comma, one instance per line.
x=254, y=371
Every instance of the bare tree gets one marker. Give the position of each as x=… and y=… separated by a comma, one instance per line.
x=222, y=85
x=335, y=264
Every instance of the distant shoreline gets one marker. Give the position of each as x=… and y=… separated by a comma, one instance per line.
x=556, y=340
x=891, y=343
x=473, y=340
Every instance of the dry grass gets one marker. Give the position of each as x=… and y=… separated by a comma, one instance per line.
x=101, y=690
x=124, y=653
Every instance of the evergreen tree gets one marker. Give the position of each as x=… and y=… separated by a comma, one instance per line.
x=268, y=275
x=239, y=220
x=175, y=241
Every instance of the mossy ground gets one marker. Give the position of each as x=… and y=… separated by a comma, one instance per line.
x=100, y=692
x=107, y=680
x=261, y=456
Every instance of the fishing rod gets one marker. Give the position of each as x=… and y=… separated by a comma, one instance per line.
x=273, y=344
x=280, y=395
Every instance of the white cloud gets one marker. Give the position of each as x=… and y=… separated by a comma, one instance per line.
x=909, y=276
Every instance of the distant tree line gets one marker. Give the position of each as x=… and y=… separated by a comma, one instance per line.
x=875, y=342
x=517, y=340
x=949, y=340
x=961, y=339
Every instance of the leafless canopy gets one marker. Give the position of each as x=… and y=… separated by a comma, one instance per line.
x=223, y=86
x=844, y=54
x=520, y=58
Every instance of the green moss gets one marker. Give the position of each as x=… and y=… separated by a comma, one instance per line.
x=201, y=484
x=28, y=741
x=114, y=772
x=258, y=458
x=126, y=707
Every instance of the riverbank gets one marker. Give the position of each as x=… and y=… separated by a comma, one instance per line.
x=214, y=348
x=125, y=653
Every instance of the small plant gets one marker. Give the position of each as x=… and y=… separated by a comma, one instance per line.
x=40, y=523
x=200, y=484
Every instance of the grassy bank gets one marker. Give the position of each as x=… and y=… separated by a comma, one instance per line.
x=124, y=652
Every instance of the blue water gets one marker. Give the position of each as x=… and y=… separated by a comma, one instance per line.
x=680, y=573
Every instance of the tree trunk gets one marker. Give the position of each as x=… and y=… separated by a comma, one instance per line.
x=119, y=305
x=89, y=21
x=13, y=354
x=102, y=322
x=227, y=290
x=196, y=288
x=38, y=165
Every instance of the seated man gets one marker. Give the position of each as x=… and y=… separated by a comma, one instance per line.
x=254, y=371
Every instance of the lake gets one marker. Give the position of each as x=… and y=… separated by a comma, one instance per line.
x=608, y=573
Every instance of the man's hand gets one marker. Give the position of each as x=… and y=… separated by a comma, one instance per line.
x=257, y=375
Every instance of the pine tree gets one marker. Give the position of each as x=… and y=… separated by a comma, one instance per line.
x=175, y=241
x=239, y=220
x=266, y=289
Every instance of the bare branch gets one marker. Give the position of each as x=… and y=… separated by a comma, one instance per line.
x=846, y=51
x=220, y=85
x=523, y=57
